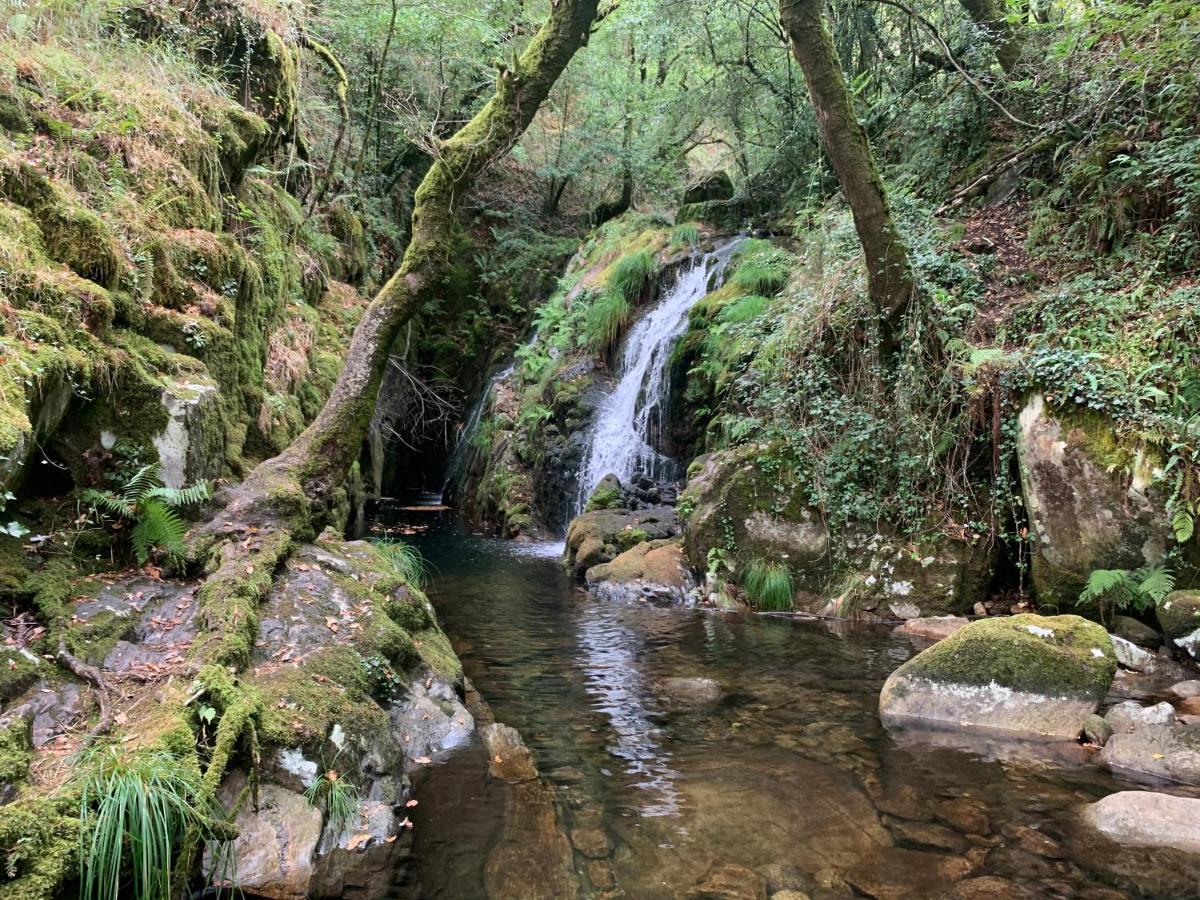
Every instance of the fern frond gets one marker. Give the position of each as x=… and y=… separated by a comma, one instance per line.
x=187, y=496
x=1156, y=582
x=159, y=528
x=107, y=502
x=1183, y=523
x=143, y=481
x=1107, y=581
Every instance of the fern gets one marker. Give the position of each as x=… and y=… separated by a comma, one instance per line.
x=151, y=506
x=1139, y=589
x=158, y=527
x=1183, y=524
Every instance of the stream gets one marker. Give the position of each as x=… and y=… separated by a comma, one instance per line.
x=781, y=767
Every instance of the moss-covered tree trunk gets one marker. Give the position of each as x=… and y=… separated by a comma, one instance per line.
x=989, y=16
x=317, y=462
x=291, y=496
x=889, y=275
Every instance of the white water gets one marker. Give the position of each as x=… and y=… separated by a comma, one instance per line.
x=629, y=423
x=463, y=448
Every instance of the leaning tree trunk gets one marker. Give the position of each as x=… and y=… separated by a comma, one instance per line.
x=989, y=16
x=889, y=275
x=292, y=495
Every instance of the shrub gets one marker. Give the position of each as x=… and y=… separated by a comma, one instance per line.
x=768, y=586
x=1120, y=589
x=633, y=275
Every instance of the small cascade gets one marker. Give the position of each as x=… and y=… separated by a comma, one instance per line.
x=460, y=456
x=627, y=434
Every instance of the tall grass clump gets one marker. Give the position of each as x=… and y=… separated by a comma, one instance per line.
x=744, y=309
x=605, y=319
x=633, y=274
x=685, y=234
x=134, y=811
x=336, y=795
x=760, y=275
x=404, y=560
x=768, y=586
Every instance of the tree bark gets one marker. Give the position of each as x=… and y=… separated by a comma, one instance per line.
x=889, y=274
x=989, y=16
x=314, y=467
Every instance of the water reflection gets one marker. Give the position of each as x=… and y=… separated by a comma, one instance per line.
x=787, y=777
x=616, y=689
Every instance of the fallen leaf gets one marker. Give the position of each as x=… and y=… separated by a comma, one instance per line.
x=359, y=840
x=121, y=719
x=332, y=624
x=390, y=840
x=422, y=760
x=411, y=803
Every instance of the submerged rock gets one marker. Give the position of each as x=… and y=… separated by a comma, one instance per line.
x=1168, y=752
x=729, y=882
x=1147, y=819
x=508, y=757
x=1025, y=676
x=934, y=628
x=690, y=691
x=656, y=570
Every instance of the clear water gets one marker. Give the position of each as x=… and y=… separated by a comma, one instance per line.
x=626, y=436
x=789, y=774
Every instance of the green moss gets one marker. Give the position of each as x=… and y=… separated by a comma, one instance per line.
x=92, y=640
x=436, y=652
x=606, y=496
x=1054, y=655
x=17, y=672
x=16, y=752
x=631, y=537
x=301, y=704
x=39, y=842
x=1179, y=613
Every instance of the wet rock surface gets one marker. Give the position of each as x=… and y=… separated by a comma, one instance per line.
x=602, y=535
x=1147, y=819
x=1167, y=752
x=656, y=571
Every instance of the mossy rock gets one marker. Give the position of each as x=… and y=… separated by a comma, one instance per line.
x=1029, y=676
x=73, y=234
x=1091, y=498
x=648, y=570
x=607, y=494
x=1179, y=616
x=39, y=844
x=17, y=673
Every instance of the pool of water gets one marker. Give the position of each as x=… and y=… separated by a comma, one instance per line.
x=773, y=772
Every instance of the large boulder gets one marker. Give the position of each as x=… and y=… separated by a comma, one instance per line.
x=1147, y=819
x=1092, y=503
x=1179, y=615
x=734, y=500
x=1028, y=676
x=601, y=535
x=654, y=570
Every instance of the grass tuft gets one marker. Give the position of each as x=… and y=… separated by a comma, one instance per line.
x=605, y=320
x=757, y=275
x=405, y=561
x=336, y=795
x=633, y=275
x=768, y=586
x=744, y=309
x=686, y=234
x=134, y=811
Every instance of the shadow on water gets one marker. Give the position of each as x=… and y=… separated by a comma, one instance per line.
x=679, y=741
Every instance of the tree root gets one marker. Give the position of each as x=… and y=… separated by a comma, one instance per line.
x=90, y=674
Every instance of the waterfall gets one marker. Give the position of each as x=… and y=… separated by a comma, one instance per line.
x=460, y=456
x=629, y=423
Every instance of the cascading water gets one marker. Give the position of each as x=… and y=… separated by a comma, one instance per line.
x=628, y=428
x=460, y=456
